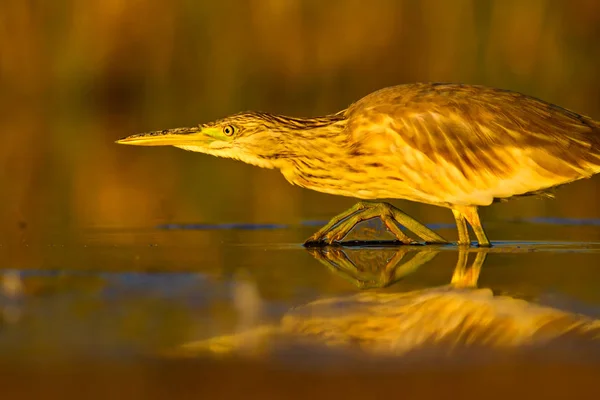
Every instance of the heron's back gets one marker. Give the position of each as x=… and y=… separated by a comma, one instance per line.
x=461, y=144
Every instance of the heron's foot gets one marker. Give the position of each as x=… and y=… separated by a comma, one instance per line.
x=392, y=217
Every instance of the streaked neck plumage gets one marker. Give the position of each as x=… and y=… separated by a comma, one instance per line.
x=283, y=140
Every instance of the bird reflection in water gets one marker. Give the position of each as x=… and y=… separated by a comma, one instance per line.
x=455, y=316
x=373, y=268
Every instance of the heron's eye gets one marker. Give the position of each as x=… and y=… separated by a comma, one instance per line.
x=229, y=130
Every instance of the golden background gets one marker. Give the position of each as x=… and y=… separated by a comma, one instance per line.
x=75, y=75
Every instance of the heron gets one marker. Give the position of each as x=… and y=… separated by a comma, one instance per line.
x=451, y=145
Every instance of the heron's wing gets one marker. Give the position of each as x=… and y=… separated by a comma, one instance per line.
x=474, y=126
x=478, y=133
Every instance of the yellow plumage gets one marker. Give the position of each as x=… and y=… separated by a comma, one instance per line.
x=450, y=145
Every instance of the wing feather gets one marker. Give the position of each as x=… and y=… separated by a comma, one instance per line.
x=495, y=139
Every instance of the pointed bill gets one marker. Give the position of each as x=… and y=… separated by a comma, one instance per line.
x=167, y=137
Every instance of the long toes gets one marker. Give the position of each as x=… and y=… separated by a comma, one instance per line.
x=330, y=239
x=408, y=242
x=321, y=239
x=314, y=241
x=336, y=236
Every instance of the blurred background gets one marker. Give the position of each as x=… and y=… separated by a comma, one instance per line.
x=84, y=273
x=77, y=75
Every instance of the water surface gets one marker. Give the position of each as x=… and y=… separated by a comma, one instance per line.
x=236, y=310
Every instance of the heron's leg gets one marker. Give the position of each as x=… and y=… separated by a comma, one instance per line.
x=472, y=216
x=342, y=224
x=391, y=216
x=461, y=225
x=319, y=236
x=401, y=218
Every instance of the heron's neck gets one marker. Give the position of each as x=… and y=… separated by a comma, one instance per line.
x=304, y=137
x=295, y=139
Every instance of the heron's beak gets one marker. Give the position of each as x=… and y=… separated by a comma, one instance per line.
x=167, y=137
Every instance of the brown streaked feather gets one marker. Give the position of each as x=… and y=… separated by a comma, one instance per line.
x=276, y=123
x=487, y=137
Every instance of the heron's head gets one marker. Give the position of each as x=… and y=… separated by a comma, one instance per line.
x=255, y=138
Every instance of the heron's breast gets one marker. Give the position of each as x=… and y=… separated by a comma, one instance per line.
x=359, y=176
x=402, y=172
